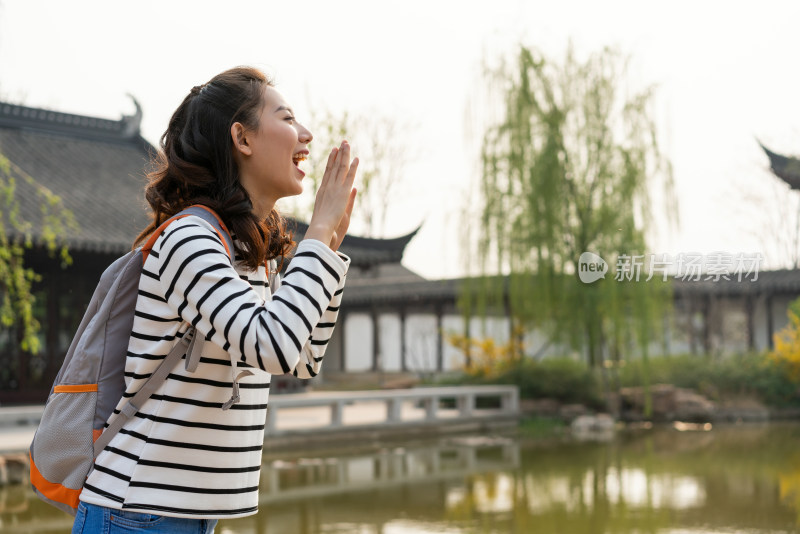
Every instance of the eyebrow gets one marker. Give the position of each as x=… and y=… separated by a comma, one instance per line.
x=284, y=108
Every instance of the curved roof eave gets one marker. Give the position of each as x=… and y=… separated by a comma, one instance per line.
x=785, y=168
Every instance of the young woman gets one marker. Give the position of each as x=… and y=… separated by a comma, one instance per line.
x=183, y=461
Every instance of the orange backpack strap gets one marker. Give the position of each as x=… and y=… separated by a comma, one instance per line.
x=205, y=213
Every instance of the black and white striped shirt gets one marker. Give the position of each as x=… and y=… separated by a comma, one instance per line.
x=182, y=455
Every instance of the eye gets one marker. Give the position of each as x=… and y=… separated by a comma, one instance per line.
x=290, y=118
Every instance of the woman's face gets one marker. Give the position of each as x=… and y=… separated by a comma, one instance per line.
x=270, y=171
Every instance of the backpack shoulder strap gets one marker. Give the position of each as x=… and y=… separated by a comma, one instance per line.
x=198, y=210
x=153, y=383
x=210, y=216
x=191, y=343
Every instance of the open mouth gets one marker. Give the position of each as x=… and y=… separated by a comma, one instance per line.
x=298, y=158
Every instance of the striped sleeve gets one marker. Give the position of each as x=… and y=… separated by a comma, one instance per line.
x=314, y=349
x=205, y=290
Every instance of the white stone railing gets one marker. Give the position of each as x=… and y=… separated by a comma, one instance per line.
x=402, y=407
x=293, y=414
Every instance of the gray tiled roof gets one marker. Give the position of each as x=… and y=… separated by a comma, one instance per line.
x=95, y=165
x=365, y=250
x=777, y=281
x=405, y=292
x=782, y=281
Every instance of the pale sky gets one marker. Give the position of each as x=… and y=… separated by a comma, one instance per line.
x=727, y=73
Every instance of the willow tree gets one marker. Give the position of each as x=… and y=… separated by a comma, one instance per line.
x=43, y=221
x=566, y=168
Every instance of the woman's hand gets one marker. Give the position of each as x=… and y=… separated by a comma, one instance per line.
x=344, y=223
x=335, y=199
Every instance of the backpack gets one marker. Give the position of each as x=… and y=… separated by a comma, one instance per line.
x=91, y=380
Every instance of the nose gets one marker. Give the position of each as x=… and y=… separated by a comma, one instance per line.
x=303, y=134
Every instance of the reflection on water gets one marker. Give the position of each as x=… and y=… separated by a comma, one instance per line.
x=631, y=487
x=304, y=478
x=743, y=479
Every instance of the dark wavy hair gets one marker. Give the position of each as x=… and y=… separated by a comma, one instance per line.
x=195, y=165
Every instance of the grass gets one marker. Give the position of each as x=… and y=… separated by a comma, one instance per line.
x=541, y=427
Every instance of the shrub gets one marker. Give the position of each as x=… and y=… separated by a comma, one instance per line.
x=786, y=353
x=771, y=377
x=749, y=374
x=562, y=379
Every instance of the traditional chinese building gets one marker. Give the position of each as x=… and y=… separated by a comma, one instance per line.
x=393, y=323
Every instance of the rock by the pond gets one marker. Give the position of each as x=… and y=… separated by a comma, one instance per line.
x=569, y=412
x=669, y=403
x=742, y=410
x=598, y=427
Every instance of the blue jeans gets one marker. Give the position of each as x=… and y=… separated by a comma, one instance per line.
x=93, y=519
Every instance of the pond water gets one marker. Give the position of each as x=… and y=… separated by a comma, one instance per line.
x=731, y=479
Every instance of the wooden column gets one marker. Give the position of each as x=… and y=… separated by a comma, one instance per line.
x=707, y=313
x=342, y=320
x=439, y=339
x=376, y=339
x=690, y=311
x=403, y=364
x=751, y=334
x=770, y=325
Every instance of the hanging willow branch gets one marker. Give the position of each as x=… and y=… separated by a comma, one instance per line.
x=566, y=169
x=16, y=236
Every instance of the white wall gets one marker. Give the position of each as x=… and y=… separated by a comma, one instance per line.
x=452, y=358
x=389, y=340
x=422, y=339
x=679, y=334
x=734, y=325
x=780, y=307
x=497, y=328
x=760, y=326
x=358, y=341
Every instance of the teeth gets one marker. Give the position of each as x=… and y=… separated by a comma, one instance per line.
x=299, y=157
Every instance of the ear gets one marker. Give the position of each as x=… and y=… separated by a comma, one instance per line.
x=239, y=136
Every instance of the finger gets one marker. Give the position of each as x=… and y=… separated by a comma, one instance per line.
x=331, y=161
x=344, y=162
x=350, y=203
x=329, y=166
x=344, y=222
x=351, y=174
x=341, y=229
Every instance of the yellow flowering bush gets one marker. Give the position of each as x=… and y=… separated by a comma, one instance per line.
x=486, y=357
x=786, y=342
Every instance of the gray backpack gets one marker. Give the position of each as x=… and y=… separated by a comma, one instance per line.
x=91, y=380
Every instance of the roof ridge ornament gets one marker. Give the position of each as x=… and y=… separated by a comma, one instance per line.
x=131, y=124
